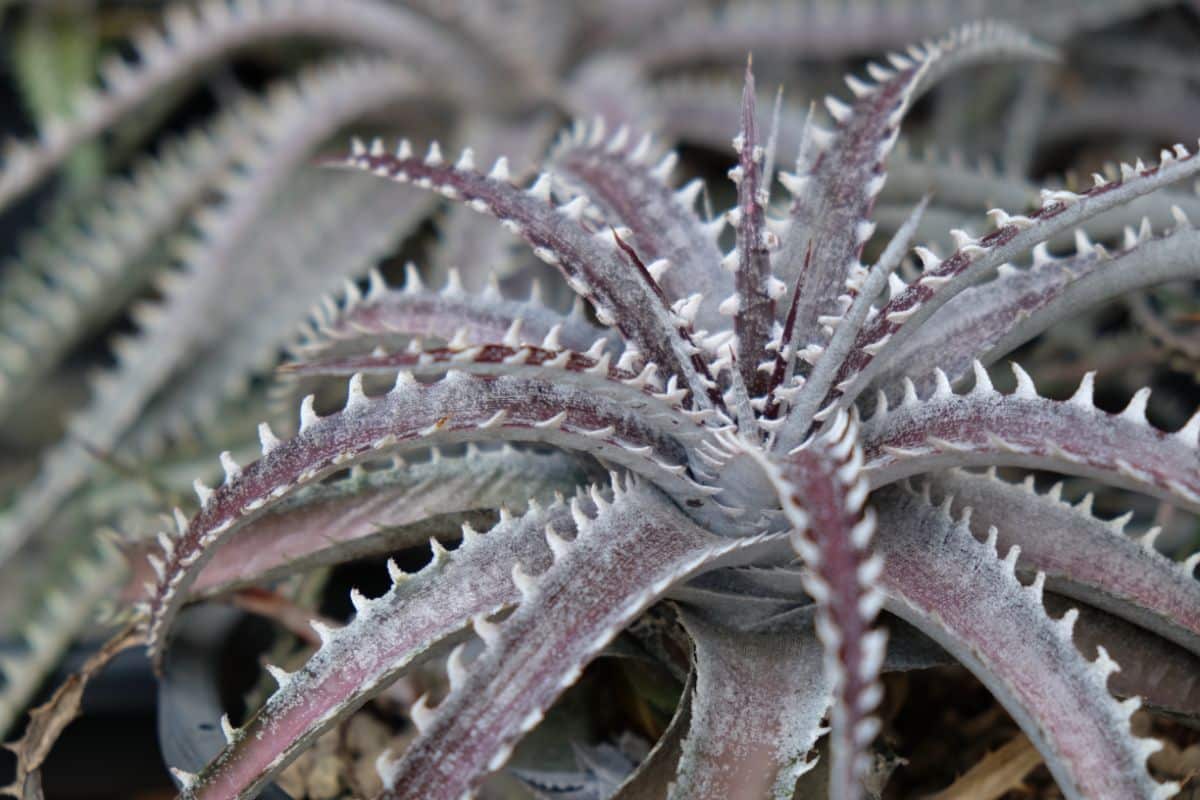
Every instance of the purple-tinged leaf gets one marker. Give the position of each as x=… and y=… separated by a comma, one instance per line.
x=757, y=709
x=459, y=408
x=840, y=180
x=659, y=409
x=986, y=428
x=1082, y=557
x=619, y=177
x=622, y=560
x=386, y=635
x=753, y=303
x=805, y=404
x=392, y=318
x=595, y=263
x=1159, y=671
x=371, y=513
x=976, y=259
x=465, y=239
x=822, y=490
x=783, y=375
x=958, y=591
x=490, y=358
x=194, y=37
x=1162, y=673
x=992, y=319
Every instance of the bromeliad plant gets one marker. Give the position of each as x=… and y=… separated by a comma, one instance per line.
x=780, y=400
x=776, y=439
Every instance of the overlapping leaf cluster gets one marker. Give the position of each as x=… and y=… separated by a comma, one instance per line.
x=749, y=415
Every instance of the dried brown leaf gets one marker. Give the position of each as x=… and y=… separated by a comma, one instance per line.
x=47, y=721
x=998, y=772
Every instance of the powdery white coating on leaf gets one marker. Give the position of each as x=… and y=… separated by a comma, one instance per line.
x=976, y=259
x=994, y=318
x=386, y=635
x=961, y=593
x=663, y=220
x=390, y=317
x=760, y=697
x=595, y=266
x=1164, y=675
x=623, y=559
x=822, y=490
x=1092, y=560
x=753, y=301
x=382, y=511
x=683, y=389
x=592, y=372
x=805, y=405
x=985, y=428
x=458, y=408
x=844, y=177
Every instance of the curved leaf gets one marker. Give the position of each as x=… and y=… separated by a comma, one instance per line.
x=456, y=409
x=386, y=635
x=986, y=428
x=596, y=264
x=1091, y=560
x=757, y=709
x=634, y=549
x=958, y=591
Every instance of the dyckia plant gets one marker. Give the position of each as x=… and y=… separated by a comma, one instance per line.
x=790, y=446
x=779, y=464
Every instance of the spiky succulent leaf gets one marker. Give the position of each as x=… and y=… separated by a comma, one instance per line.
x=963, y=594
x=720, y=395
